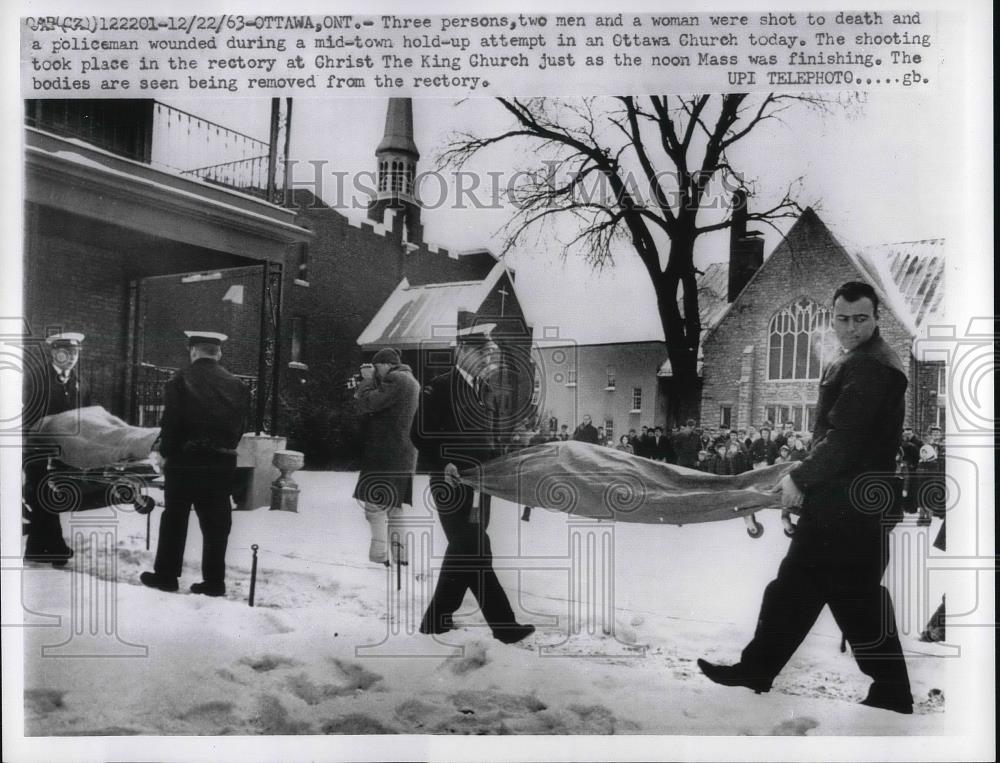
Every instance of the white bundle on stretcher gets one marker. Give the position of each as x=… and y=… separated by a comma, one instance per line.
x=91, y=437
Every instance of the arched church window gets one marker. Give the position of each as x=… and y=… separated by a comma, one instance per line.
x=801, y=342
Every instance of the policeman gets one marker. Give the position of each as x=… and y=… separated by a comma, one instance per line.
x=205, y=410
x=55, y=390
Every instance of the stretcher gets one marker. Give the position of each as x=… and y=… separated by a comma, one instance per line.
x=64, y=488
x=86, y=459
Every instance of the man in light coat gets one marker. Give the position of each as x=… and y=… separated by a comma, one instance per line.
x=389, y=398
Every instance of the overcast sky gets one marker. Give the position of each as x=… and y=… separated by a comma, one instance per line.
x=878, y=171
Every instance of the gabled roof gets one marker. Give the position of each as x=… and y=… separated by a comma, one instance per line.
x=908, y=276
x=416, y=314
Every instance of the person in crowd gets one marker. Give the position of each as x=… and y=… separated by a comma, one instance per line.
x=839, y=551
x=625, y=445
x=737, y=457
x=909, y=463
x=662, y=448
x=456, y=427
x=763, y=452
x=752, y=436
x=798, y=448
x=646, y=442
x=784, y=455
x=786, y=434
x=930, y=472
x=633, y=440
x=705, y=461
x=387, y=395
x=54, y=388
x=602, y=439
x=687, y=445
x=564, y=433
x=586, y=431
x=205, y=412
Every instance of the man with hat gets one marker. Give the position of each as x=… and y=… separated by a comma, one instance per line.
x=388, y=394
x=455, y=428
x=55, y=389
x=204, y=413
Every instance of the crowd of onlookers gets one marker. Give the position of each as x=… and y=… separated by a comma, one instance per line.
x=720, y=450
x=723, y=450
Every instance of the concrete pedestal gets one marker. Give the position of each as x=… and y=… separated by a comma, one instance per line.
x=256, y=452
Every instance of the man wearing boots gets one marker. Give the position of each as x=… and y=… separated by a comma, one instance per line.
x=840, y=550
x=205, y=410
x=388, y=396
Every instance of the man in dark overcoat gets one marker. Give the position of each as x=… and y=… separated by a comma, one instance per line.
x=389, y=400
x=204, y=415
x=456, y=428
x=687, y=444
x=587, y=432
x=840, y=548
x=56, y=388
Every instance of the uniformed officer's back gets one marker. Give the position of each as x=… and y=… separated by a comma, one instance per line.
x=210, y=409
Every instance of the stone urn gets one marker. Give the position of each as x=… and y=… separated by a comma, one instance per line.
x=284, y=490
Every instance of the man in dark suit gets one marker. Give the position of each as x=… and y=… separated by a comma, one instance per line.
x=55, y=389
x=205, y=410
x=586, y=431
x=455, y=428
x=840, y=550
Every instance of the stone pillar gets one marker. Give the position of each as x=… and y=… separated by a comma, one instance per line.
x=256, y=453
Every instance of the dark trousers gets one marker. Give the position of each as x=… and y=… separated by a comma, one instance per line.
x=468, y=560
x=44, y=531
x=208, y=493
x=845, y=573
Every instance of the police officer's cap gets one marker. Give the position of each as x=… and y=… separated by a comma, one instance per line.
x=65, y=339
x=478, y=334
x=205, y=337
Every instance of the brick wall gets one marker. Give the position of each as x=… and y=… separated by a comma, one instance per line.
x=809, y=263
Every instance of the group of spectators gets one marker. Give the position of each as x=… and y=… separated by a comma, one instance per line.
x=715, y=450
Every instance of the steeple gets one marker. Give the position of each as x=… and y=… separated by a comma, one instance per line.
x=397, y=157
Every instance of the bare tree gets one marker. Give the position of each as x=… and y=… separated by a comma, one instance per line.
x=636, y=173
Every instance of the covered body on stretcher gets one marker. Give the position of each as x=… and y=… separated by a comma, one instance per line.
x=87, y=458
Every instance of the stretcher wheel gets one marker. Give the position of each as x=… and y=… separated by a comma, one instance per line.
x=789, y=527
x=144, y=505
x=755, y=530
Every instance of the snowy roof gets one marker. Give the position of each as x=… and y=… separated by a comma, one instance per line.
x=912, y=274
x=415, y=314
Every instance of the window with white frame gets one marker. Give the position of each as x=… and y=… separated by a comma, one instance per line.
x=611, y=378
x=536, y=390
x=571, y=377
x=636, y=399
x=800, y=341
x=803, y=417
x=609, y=430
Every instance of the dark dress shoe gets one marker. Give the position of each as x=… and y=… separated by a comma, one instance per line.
x=511, y=634
x=889, y=699
x=733, y=675
x=207, y=589
x=443, y=625
x=57, y=558
x=159, y=582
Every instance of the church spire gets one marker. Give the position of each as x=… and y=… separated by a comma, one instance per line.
x=397, y=157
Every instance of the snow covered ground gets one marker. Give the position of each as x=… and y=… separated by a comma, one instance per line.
x=331, y=647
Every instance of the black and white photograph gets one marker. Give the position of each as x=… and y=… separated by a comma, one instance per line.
x=355, y=423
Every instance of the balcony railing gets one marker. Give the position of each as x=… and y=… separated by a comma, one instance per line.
x=164, y=136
